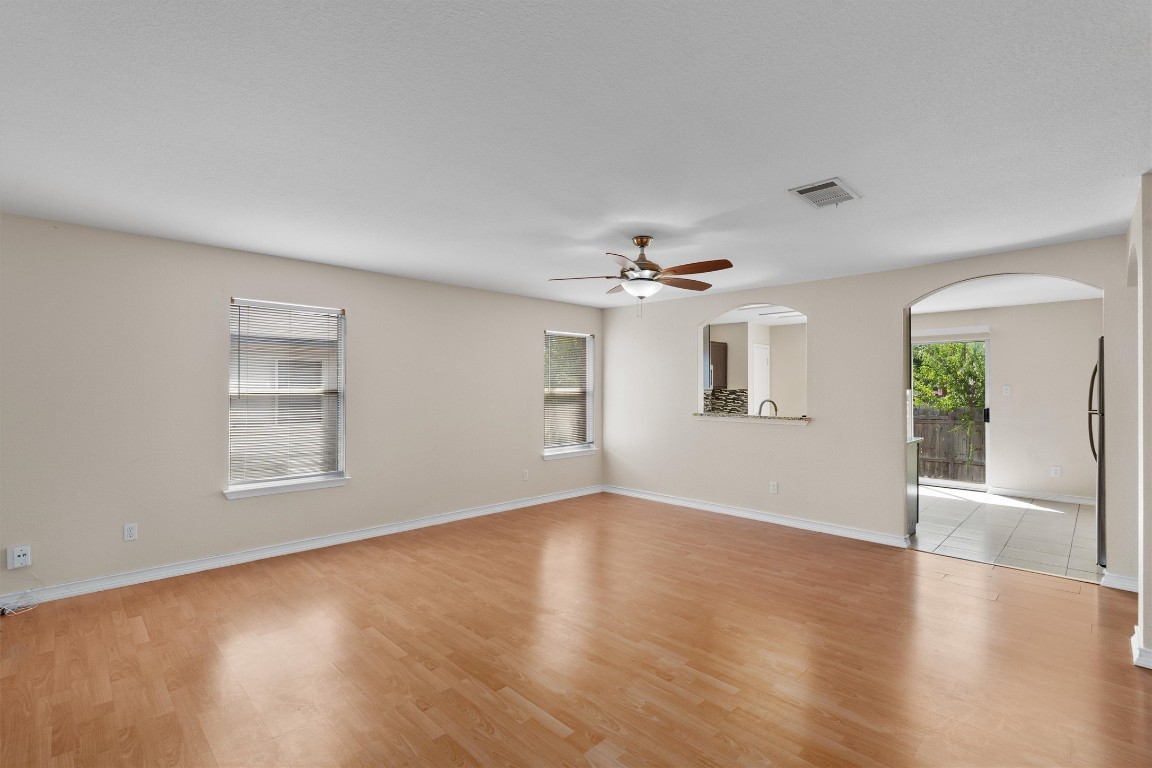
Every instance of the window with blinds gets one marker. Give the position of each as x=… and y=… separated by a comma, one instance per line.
x=285, y=394
x=567, y=392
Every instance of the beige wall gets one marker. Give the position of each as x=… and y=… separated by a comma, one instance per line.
x=114, y=400
x=790, y=369
x=735, y=335
x=1045, y=353
x=113, y=405
x=759, y=334
x=846, y=467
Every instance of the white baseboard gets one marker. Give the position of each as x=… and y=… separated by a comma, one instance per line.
x=1021, y=494
x=1126, y=583
x=1141, y=656
x=767, y=517
x=56, y=592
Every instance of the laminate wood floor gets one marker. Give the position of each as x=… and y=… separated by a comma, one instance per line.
x=598, y=631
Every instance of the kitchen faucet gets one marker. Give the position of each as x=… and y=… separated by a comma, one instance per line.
x=760, y=410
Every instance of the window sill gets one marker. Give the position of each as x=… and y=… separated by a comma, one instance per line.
x=567, y=453
x=282, y=486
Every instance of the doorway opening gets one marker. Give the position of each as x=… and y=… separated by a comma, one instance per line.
x=997, y=372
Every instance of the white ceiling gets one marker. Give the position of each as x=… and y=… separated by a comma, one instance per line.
x=499, y=144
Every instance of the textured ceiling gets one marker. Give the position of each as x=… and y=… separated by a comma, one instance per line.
x=499, y=144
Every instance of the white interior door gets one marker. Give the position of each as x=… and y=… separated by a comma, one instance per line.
x=761, y=384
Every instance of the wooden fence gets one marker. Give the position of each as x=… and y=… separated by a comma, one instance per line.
x=949, y=451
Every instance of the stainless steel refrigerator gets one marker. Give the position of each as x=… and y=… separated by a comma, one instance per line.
x=1096, y=443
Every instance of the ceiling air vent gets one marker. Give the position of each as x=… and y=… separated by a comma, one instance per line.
x=827, y=192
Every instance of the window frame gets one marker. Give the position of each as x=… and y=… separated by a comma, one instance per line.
x=289, y=483
x=588, y=446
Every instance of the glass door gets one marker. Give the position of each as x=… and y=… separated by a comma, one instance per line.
x=948, y=411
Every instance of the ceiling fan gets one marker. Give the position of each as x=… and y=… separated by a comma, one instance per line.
x=642, y=278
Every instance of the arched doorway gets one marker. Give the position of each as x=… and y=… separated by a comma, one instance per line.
x=997, y=377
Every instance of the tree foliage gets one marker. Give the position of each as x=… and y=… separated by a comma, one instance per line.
x=949, y=377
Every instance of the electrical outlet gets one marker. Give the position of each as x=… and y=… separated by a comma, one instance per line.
x=525, y=477
x=1007, y=390
x=19, y=557
x=773, y=487
x=130, y=532
x=1056, y=471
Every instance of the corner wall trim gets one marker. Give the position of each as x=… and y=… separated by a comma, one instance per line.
x=86, y=586
x=1042, y=496
x=1141, y=656
x=1126, y=583
x=768, y=517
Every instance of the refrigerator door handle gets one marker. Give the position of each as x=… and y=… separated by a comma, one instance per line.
x=1092, y=412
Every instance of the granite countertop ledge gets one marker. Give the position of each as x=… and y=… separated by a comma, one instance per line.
x=752, y=417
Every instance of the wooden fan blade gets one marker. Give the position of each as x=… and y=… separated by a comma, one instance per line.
x=697, y=267
x=616, y=288
x=591, y=277
x=623, y=261
x=679, y=282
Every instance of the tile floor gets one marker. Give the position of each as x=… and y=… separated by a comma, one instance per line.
x=1046, y=536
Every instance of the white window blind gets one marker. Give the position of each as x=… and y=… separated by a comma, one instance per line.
x=567, y=391
x=286, y=393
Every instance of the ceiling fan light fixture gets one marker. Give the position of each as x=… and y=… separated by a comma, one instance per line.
x=642, y=278
x=641, y=287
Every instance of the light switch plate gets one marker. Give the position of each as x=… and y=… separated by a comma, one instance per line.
x=19, y=557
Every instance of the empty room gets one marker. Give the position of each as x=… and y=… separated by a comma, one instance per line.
x=527, y=383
